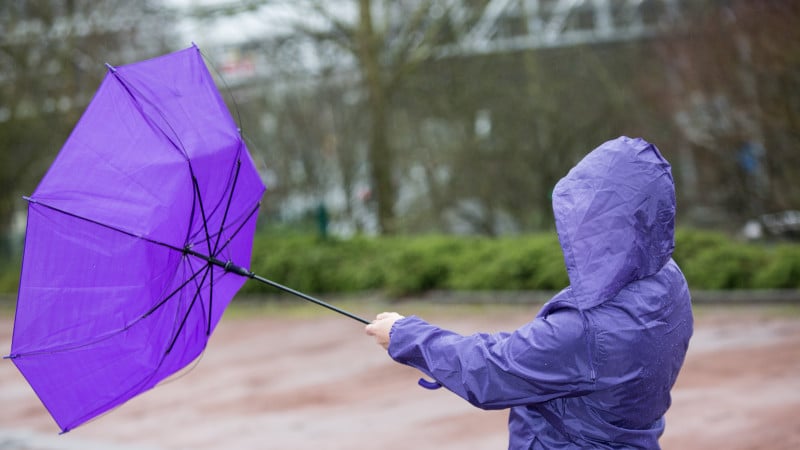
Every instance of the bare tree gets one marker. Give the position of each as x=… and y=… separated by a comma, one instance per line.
x=733, y=90
x=484, y=136
x=388, y=41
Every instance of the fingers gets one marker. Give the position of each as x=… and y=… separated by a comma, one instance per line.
x=381, y=327
x=375, y=327
x=386, y=315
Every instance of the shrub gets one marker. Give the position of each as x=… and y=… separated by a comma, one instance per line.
x=781, y=271
x=689, y=243
x=403, y=265
x=420, y=264
x=307, y=263
x=9, y=279
x=728, y=266
x=552, y=272
x=469, y=271
x=528, y=262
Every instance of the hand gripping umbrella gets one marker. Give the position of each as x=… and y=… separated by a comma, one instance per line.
x=135, y=241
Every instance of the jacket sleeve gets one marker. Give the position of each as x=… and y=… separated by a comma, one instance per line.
x=544, y=359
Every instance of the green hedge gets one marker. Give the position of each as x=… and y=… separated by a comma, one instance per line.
x=9, y=277
x=408, y=265
x=411, y=264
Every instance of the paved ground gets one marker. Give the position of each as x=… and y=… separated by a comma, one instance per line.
x=314, y=381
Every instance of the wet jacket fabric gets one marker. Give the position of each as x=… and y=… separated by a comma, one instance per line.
x=594, y=368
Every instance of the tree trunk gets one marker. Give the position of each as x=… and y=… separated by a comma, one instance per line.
x=379, y=152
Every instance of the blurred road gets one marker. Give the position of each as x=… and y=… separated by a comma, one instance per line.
x=317, y=382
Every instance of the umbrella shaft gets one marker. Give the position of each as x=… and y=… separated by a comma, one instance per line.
x=239, y=270
x=227, y=265
x=309, y=298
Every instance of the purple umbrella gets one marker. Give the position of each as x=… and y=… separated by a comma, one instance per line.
x=136, y=239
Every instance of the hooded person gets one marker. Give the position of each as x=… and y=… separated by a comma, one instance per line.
x=595, y=367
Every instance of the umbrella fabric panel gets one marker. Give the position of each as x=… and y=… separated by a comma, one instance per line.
x=79, y=384
x=177, y=94
x=118, y=170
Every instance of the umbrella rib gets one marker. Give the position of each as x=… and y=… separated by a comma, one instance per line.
x=210, y=300
x=198, y=287
x=213, y=67
x=233, y=172
x=202, y=208
x=238, y=229
x=234, y=222
x=241, y=225
x=206, y=269
x=219, y=235
x=136, y=96
x=216, y=244
x=191, y=214
x=104, y=225
x=228, y=205
x=172, y=294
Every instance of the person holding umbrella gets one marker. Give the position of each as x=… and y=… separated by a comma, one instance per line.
x=595, y=367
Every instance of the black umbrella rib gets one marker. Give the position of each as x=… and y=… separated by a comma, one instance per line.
x=216, y=243
x=234, y=171
x=191, y=214
x=210, y=301
x=162, y=244
x=228, y=205
x=202, y=209
x=207, y=270
x=174, y=138
x=173, y=293
x=136, y=96
x=239, y=228
x=104, y=225
x=228, y=88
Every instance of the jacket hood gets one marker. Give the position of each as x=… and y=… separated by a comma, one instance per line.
x=615, y=217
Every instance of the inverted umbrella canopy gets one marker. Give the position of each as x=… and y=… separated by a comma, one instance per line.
x=136, y=239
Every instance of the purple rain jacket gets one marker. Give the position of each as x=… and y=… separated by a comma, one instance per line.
x=595, y=367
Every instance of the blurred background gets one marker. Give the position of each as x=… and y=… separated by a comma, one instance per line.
x=410, y=148
x=455, y=117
